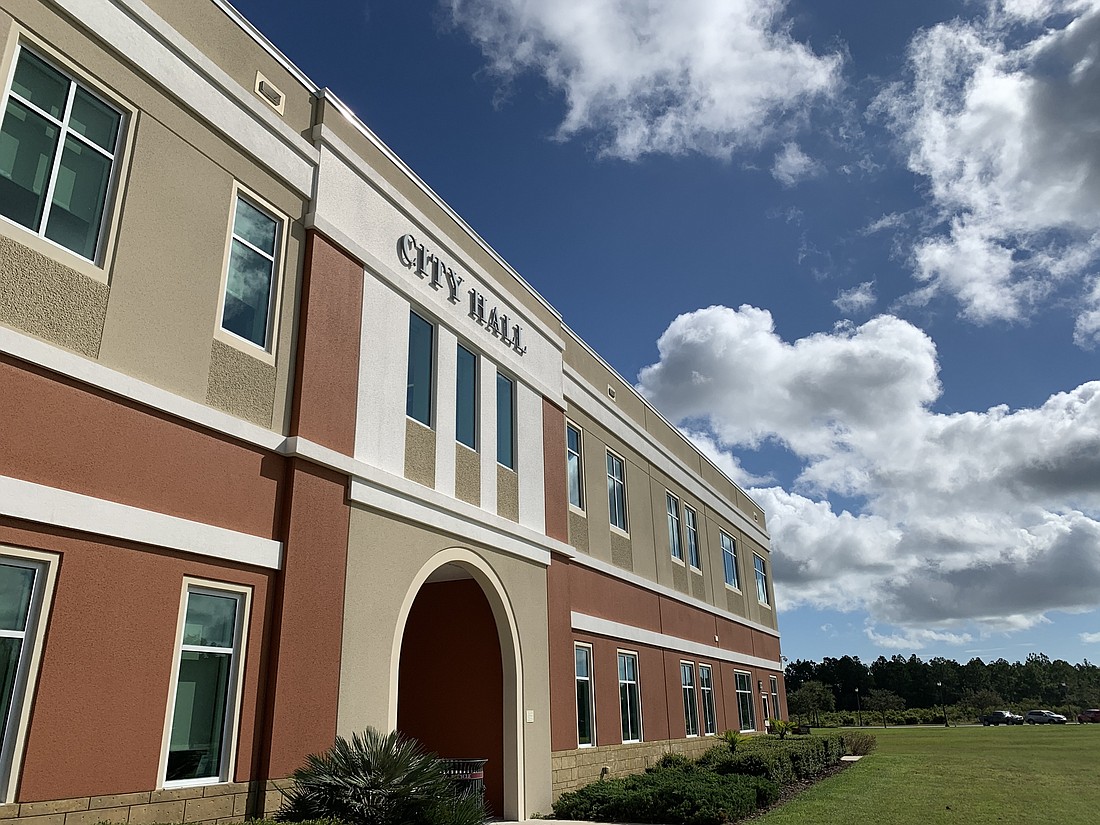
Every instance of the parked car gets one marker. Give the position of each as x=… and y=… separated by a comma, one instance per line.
x=1044, y=717
x=1002, y=717
x=1091, y=715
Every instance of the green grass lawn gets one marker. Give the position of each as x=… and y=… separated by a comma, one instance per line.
x=968, y=776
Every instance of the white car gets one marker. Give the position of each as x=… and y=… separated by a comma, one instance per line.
x=1044, y=717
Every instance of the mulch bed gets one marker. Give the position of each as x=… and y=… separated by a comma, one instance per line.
x=795, y=788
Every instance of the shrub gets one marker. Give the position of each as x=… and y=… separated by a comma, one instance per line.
x=732, y=738
x=673, y=761
x=771, y=764
x=680, y=796
x=377, y=779
x=859, y=743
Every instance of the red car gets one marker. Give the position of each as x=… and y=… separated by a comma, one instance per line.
x=1092, y=715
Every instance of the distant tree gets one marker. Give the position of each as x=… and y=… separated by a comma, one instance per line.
x=881, y=701
x=810, y=700
x=981, y=702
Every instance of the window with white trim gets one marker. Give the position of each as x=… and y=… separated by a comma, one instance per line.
x=775, y=697
x=58, y=145
x=466, y=397
x=251, y=279
x=630, y=699
x=616, y=490
x=506, y=421
x=706, y=695
x=672, y=509
x=761, y=579
x=22, y=588
x=745, y=712
x=586, y=698
x=207, y=685
x=574, y=466
x=729, y=561
x=691, y=534
x=419, y=387
x=691, y=706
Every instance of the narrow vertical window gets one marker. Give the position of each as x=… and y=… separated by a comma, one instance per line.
x=761, y=579
x=466, y=398
x=691, y=533
x=573, y=466
x=630, y=702
x=506, y=421
x=203, y=721
x=672, y=506
x=58, y=145
x=691, y=706
x=616, y=490
x=775, y=697
x=250, y=280
x=729, y=561
x=745, y=712
x=706, y=693
x=418, y=396
x=586, y=707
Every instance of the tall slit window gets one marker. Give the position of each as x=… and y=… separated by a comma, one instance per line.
x=745, y=712
x=691, y=707
x=616, y=490
x=729, y=561
x=775, y=697
x=691, y=534
x=672, y=505
x=58, y=146
x=630, y=701
x=251, y=277
x=586, y=703
x=761, y=579
x=207, y=683
x=706, y=694
x=418, y=395
x=506, y=421
x=466, y=398
x=573, y=466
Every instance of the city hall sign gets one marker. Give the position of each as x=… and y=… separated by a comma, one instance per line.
x=432, y=269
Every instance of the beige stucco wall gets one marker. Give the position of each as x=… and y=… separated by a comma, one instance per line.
x=383, y=549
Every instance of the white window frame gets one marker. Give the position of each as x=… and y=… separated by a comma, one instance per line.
x=267, y=352
x=638, y=688
x=675, y=534
x=476, y=447
x=730, y=551
x=760, y=568
x=514, y=418
x=774, y=685
x=737, y=674
x=231, y=726
x=706, y=697
x=433, y=366
x=691, y=537
x=591, y=679
x=30, y=656
x=625, y=528
x=94, y=267
x=687, y=669
x=576, y=508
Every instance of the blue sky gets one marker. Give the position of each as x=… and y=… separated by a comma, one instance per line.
x=852, y=247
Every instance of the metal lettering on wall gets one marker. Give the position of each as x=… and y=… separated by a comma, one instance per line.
x=427, y=265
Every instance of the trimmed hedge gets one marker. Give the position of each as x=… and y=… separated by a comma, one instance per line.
x=680, y=795
x=780, y=760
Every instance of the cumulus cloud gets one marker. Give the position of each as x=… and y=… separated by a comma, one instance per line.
x=999, y=115
x=668, y=76
x=792, y=165
x=1089, y=638
x=975, y=520
x=857, y=299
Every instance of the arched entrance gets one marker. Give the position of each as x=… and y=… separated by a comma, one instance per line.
x=456, y=667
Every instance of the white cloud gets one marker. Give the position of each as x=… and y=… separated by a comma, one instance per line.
x=915, y=638
x=857, y=299
x=792, y=165
x=1090, y=638
x=976, y=520
x=999, y=115
x=667, y=76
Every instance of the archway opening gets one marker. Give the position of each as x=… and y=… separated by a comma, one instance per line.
x=451, y=678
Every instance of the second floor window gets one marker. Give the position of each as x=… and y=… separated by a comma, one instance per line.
x=691, y=533
x=574, y=469
x=506, y=421
x=616, y=491
x=729, y=561
x=672, y=505
x=761, y=579
x=250, y=279
x=466, y=398
x=418, y=394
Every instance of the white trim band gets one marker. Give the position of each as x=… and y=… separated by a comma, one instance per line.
x=61, y=508
x=628, y=633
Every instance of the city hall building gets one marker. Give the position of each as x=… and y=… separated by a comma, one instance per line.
x=288, y=451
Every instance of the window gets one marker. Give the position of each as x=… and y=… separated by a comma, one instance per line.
x=775, y=697
x=574, y=468
x=630, y=703
x=616, y=490
x=672, y=506
x=22, y=589
x=744, y=701
x=58, y=144
x=207, y=686
x=706, y=691
x=506, y=421
x=761, y=579
x=586, y=707
x=729, y=561
x=250, y=278
x=691, y=532
x=466, y=398
x=418, y=396
x=691, y=707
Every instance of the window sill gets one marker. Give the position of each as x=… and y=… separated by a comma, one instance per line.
x=620, y=532
x=194, y=783
x=54, y=251
x=245, y=346
x=734, y=589
x=677, y=561
x=695, y=569
x=580, y=511
x=764, y=604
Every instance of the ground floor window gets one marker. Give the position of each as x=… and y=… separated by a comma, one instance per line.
x=745, y=710
x=586, y=712
x=207, y=684
x=706, y=691
x=691, y=707
x=630, y=701
x=775, y=697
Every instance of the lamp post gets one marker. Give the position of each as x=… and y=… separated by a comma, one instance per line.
x=1065, y=694
x=859, y=709
x=943, y=704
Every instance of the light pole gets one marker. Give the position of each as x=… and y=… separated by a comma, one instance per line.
x=943, y=704
x=859, y=709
